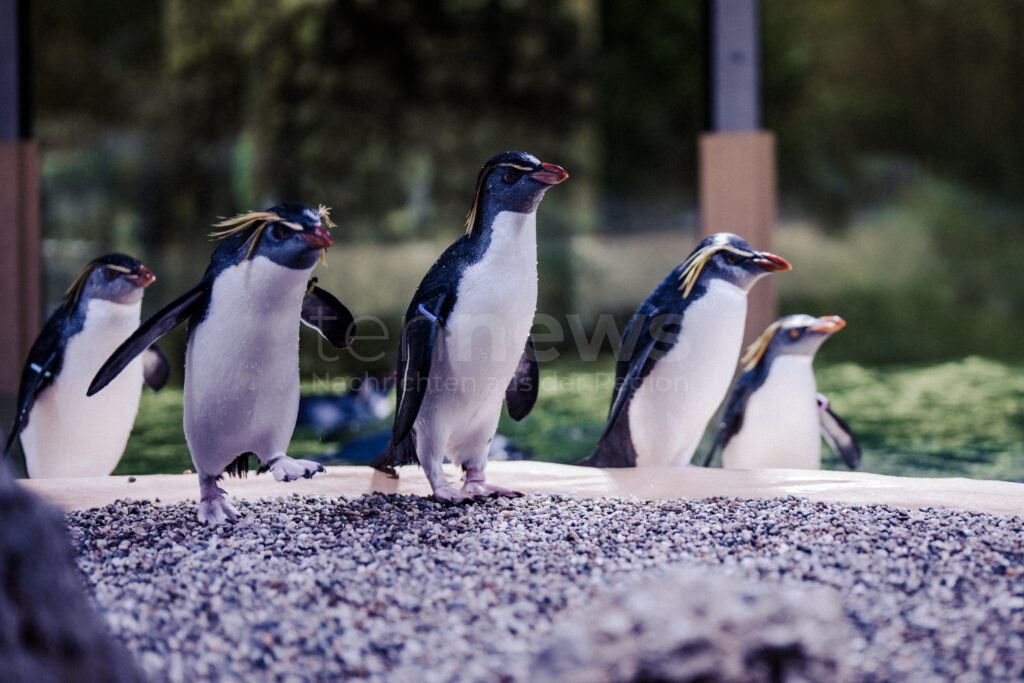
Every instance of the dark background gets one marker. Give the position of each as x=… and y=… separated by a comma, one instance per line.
x=898, y=133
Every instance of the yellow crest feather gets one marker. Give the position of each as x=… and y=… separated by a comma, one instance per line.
x=325, y=217
x=755, y=352
x=695, y=264
x=473, y=210
x=325, y=220
x=74, y=293
x=242, y=222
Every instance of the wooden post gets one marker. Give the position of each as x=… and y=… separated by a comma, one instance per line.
x=737, y=159
x=20, y=296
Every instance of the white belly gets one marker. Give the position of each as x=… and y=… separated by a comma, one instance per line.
x=70, y=434
x=671, y=409
x=780, y=424
x=242, y=365
x=478, y=350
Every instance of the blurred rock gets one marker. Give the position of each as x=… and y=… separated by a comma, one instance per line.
x=690, y=625
x=48, y=630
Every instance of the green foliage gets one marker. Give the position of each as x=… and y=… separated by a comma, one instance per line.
x=963, y=418
x=935, y=276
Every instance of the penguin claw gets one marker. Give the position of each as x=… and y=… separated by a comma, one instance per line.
x=480, y=489
x=216, y=511
x=450, y=494
x=288, y=469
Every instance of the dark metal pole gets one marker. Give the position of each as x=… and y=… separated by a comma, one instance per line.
x=737, y=159
x=734, y=65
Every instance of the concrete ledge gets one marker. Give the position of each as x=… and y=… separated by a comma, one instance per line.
x=541, y=477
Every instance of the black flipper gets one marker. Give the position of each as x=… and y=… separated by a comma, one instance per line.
x=414, y=359
x=630, y=384
x=635, y=328
x=732, y=416
x=159, y=324
x=839, y=436
x=328, y=316
x=615, y=448
x=155, y=368
x=521, y=394
x=44, y=360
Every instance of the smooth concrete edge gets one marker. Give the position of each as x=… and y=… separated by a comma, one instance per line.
x=997, y=497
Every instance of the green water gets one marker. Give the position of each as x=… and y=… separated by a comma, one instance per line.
x=963, y=418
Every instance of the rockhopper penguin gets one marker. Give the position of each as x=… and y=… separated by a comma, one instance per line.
x=678, y=355
x=774, y=416
x=64, y=433
x=466, y=342
x=241, y=354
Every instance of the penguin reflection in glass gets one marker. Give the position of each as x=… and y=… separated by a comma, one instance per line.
x=678, y=355
x=466, y=341
x=241, y=354
x=774, y=416
x=64, y=433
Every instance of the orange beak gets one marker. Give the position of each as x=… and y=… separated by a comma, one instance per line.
x=771, y=262
x=143, y=276
x=319, y=238
x=829, y=324
x=550, y=175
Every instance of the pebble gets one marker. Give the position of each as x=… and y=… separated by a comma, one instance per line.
x=391, y=587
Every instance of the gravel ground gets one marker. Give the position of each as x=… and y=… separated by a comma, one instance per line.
x=409, y=589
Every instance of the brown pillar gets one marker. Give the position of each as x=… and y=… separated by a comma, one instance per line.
x=737, y=194
x=19, y=259
x=20, y=281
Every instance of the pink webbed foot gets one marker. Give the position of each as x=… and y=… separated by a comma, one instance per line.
x=481, y=489
x=446, y=493
x=215, y=511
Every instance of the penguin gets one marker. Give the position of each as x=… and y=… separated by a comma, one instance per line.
x=63, y=433
x=241, y=350
x=678, y=353
x=774, y=416
x=466, y=341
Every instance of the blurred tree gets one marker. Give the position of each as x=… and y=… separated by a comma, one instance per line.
x=651, y=109
x=383, y=109
x=936, y=82
x=157, y=116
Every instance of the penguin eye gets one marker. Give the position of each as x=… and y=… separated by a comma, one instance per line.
x=794, y=333
x=510, y=177
x=732, y=259
x=280, y=231
x=111, y=275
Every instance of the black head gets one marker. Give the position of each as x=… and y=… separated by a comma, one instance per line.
x=728, y=257
x=511, y=181
x=291, y=235
x=114, y=277
x=794, y=335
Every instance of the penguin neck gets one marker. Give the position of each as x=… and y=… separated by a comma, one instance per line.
x=266, y=284
x=747, y=284
x=512, y=232
x=100, y=311
x=793, y=360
